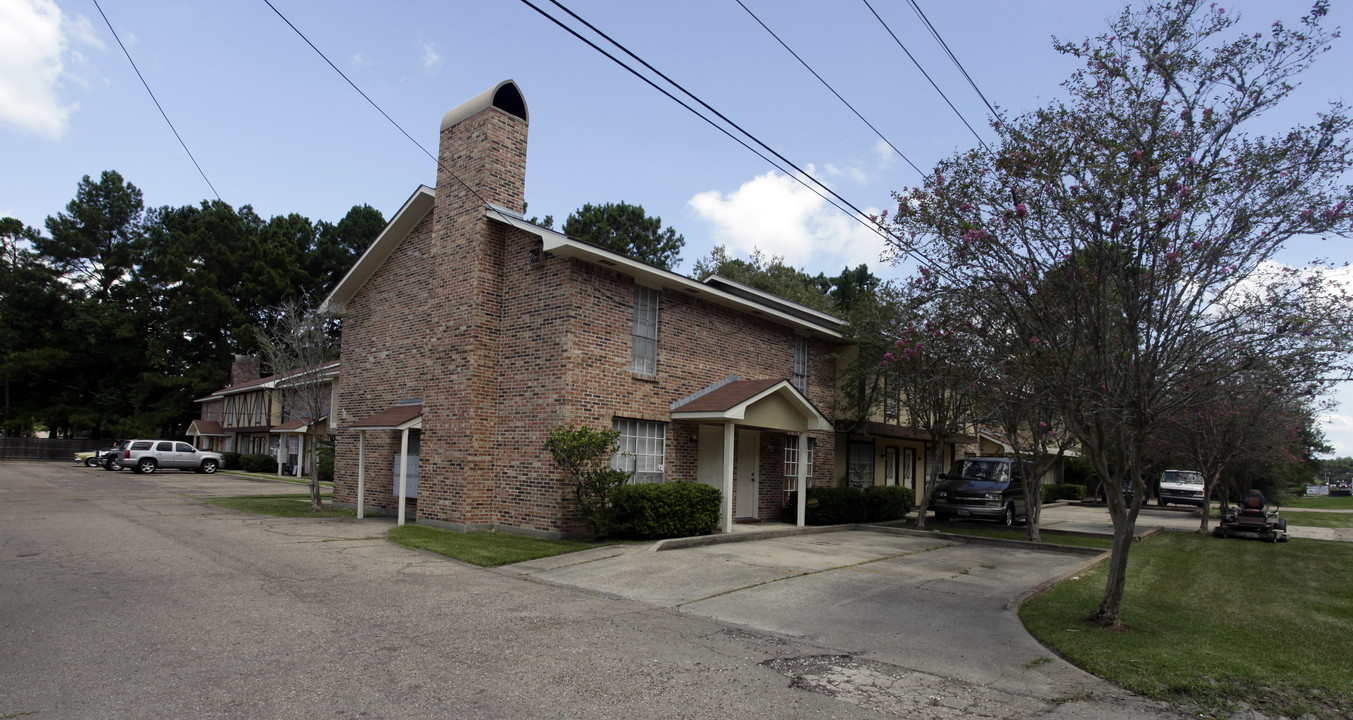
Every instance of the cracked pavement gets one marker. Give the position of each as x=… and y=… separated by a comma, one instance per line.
x=123, y=597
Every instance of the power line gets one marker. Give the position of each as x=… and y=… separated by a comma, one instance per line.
x=155, y=100
x=858, y=214
x=829, y=87
x=935, y=34
x=927, y=75
x=378, y=107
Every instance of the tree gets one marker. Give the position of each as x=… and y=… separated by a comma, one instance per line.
x=627, y=230
x=299, y=353
x=936, y=367
x=584, y=454
x=95, y=242
x=1118, y=233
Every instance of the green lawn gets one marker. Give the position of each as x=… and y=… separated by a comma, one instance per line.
x=486, y=549
x=1002, y=532
x=282, y=505
x=1319, y=519
x=1320, y=503
x=1217, y=622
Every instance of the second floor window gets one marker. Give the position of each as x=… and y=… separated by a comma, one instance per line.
x=800, y=376
x=645, y=348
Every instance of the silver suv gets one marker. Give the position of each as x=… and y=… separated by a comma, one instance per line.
x=147, y=456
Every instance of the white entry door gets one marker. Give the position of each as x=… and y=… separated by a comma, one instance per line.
x=748, y=482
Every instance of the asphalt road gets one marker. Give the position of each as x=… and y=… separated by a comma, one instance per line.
x=122, y=596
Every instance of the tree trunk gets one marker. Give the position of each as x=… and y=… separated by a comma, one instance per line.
x=1033, y=508
x=1209, y=484
x=931, y=480
x=1110, y=607
x=315, y=504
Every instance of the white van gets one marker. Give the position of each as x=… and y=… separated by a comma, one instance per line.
x=1182, y=487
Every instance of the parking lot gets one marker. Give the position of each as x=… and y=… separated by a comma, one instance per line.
x=124, y=597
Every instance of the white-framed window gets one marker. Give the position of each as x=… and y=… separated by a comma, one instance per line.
x=645, y=348
x=800, y=376
x=860, y=464
x=643, y=445
x=792, y=455
x=891, y=401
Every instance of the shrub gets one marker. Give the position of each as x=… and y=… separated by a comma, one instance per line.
x=584, y=454
x=1053, y=493
x=230, y=461
x=256, y=462
x=888, y=502
x=663, y=510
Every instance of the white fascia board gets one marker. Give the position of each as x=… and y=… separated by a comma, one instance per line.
x=414, y=210
x=770, y=298
x=649, y=276
x=414, y=424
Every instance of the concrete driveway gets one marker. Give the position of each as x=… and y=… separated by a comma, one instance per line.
x=123, y=597
x=923, y=626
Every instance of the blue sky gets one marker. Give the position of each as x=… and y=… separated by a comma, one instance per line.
x=274, y=127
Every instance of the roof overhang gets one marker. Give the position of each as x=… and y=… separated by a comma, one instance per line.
x=205, y=428
x=779, y=406
x=414, y=210
x=398, y=417
x=782, y=311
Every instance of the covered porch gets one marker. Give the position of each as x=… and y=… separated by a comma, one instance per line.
x=731, y=418
x=405, y=419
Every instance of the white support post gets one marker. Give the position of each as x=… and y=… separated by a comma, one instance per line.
x=361, y=472
x=403, y=470
x=727, y=509
x=281, y=450
x=802, y=494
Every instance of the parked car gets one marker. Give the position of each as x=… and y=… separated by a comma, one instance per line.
x=988, y=488
x=92, y=458
x=1182, y=487
x=147, y=456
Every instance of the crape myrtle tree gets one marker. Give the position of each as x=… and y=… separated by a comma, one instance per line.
x=298, y=351
x=937, y=367
x=1112, y=229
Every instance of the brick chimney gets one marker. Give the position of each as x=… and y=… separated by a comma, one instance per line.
x=483, y=144
x=244, y=369
x=482, y=160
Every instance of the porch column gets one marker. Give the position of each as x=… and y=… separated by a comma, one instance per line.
x=281, y=450
x=403, y=470
x=802, y=494
x=727, y=508
x=361, y=472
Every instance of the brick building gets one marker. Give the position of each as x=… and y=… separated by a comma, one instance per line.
x=468, y=333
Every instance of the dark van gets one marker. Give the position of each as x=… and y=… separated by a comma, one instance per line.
x=987, y=488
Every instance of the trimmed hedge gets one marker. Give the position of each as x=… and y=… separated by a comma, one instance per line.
x=651, y=511
x=230, y=461
x=257, y=462
x=846, y=505
x=1053, y=493
x=888, y=502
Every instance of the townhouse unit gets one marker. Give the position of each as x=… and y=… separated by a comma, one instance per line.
x=469, y=333
x=258, y=415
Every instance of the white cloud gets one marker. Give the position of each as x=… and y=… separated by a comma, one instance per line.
x=1338, y=433
x=360, y=60
x=431, y=59
x=779, y=216
x=33, y=47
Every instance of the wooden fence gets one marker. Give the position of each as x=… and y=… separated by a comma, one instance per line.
x=24, y=448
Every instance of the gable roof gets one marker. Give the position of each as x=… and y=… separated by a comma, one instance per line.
x=414, y=210
x=736, y=400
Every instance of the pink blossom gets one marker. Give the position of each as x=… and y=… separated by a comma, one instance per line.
x=888, y=356
x=1021, y=210
x=883, y=363
x=1190, y=161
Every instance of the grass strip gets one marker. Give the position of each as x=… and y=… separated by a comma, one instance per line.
x=485, y=549
x=1319, y=519
x=282, y=506
x=1320, y=503
x=1048, y=538
x=1217, y=622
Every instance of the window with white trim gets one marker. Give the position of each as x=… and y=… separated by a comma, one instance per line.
x=792, y=456
x=800, y=377
x=644, y=351
x=642, y=449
